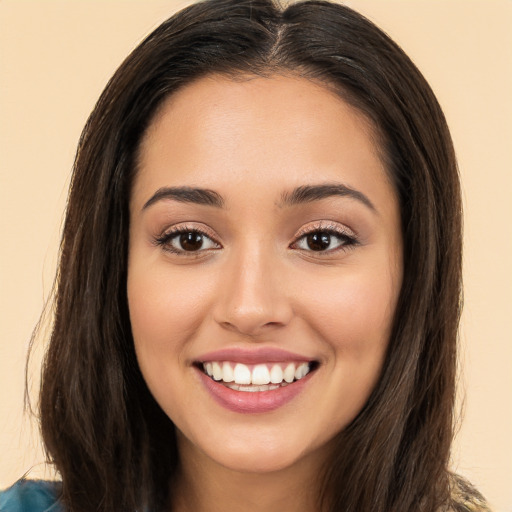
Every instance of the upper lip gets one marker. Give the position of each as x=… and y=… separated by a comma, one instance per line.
x=253, y=356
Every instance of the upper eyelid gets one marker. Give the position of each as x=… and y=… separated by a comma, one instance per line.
x=186, y=227
x=324, y=225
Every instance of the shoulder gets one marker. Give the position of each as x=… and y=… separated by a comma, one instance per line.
x=31, y=496
x=465, y=497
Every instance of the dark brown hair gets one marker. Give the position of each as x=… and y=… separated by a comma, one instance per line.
x=112, y=444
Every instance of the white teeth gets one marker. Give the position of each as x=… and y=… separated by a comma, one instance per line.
x=276, y=374
x=262, y=377
x=260, y=374
x=242, y=374
x=301, y=371
x=227, y=373
x=252, y=388
x=289, y=373
x=217, y=371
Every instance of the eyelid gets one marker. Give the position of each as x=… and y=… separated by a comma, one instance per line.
x=171, y=232
x=332, y=228
x=325, y=225
x=186, y=227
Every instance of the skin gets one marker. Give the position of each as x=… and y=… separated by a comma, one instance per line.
x=258, y=283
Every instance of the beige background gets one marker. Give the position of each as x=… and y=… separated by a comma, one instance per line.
x=55, y=58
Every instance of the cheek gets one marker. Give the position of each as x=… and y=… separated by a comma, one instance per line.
x=353, y=311
x=162, y=303
x=165, y=314
x=352, y=315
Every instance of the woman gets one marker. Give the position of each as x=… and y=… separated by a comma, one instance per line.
x=259, y=285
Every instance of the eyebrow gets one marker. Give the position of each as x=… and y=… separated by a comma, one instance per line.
x=299, y=195
x=310, y=193
x=194, y=195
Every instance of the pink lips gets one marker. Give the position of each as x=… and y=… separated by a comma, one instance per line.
x=253, y=402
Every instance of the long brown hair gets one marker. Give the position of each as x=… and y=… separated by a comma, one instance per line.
x=112, y=444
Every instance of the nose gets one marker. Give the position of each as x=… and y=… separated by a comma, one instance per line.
x=253, y=300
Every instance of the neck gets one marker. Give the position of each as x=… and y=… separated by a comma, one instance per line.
x=205, y=486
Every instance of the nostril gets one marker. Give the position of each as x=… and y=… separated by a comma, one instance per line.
x=249, y=328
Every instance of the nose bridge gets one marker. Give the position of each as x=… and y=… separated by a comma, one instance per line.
x=254, y=298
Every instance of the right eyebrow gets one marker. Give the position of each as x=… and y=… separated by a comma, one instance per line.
x=194, y=195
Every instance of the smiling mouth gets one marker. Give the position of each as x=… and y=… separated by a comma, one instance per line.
x=256, y=377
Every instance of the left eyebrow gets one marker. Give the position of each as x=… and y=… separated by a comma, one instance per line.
x=194, y=195
x=309, y=193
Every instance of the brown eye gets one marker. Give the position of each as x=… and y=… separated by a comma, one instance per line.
x=191, y=241
x=187, y=241
x=319, y=241
x=324, y=241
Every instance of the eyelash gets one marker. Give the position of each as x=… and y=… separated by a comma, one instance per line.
x=347, y=240
x=166, y=238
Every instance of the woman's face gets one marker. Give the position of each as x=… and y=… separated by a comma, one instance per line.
x=265, y=250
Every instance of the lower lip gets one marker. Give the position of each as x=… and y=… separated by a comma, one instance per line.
x=247, y=402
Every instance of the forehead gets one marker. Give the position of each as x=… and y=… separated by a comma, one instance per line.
x=280, y=131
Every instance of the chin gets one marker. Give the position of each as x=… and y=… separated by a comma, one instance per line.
x=260, y=451
x=256, y=461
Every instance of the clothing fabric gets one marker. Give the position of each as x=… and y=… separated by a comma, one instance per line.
x=31, y=496
x=42, y=496
x=465, y=497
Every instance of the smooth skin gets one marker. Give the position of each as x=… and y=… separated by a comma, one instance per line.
x=253, y=272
